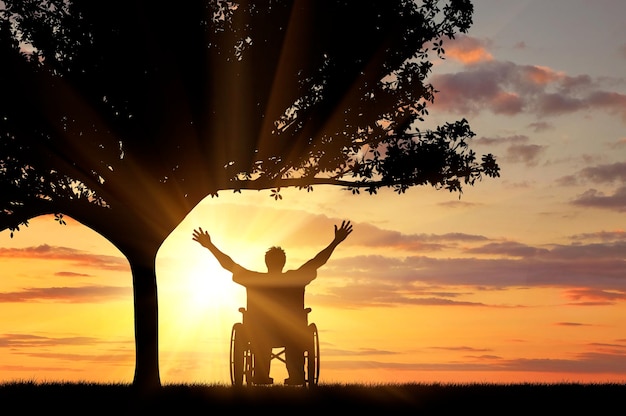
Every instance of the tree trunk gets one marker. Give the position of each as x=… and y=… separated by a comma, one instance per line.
x=147, y=377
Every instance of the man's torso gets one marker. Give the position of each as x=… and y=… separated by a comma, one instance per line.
x=275, y=302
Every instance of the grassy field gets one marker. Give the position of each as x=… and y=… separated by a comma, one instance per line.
x=480, y=399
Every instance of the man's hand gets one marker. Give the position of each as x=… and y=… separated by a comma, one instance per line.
x=342, y=232
x=202, y=237
x=322, y=257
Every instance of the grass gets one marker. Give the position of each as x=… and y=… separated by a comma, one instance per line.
x=326, y=399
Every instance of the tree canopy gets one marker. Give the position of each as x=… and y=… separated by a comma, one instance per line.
x=125, y=114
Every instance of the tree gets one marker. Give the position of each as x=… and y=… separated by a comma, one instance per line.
x=124, y=115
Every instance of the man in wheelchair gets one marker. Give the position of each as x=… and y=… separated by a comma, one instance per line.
x=275, y=303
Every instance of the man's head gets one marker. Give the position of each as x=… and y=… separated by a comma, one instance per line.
x=275, y=259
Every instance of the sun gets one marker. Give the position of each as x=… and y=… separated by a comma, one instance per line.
x=200, y=286
x=211, y=287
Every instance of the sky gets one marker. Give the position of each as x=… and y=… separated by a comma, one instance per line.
x=520, y=279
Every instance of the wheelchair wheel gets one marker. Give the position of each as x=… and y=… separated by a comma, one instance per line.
x=240, y=356
x=312, y=357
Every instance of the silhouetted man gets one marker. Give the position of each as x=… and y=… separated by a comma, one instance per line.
x=275, y=310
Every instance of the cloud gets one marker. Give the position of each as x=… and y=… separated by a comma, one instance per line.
x=468, y=50
x=514, y=140
x=592, y=273
x=370, y=286
x=78, y=258
x=599, y=174
x=612, y=102
x=568, y=180
x=591, y=362
x=359, y=352
x=508, y=88
x=117, y=357
x=526, y=154
x=35, y=369
x=470, y=91
x=372, y=236
x=584, y=363
x=458, y=204
x=593, y=198
x=541, y=126
x=72, y=274
x=463, y=348
x=604, y=347
x=605, y=173
x=508, y=248
x=28, y=340
x=518, y=149
x=84, y=294
x=591, y=297
x=591, y=251
x=617, y=235
x=590, y=270
x=40, y=346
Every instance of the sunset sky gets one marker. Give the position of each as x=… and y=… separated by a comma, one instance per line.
x=521, y=279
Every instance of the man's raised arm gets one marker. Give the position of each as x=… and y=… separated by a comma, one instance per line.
x=204, y=239
x=322, y=257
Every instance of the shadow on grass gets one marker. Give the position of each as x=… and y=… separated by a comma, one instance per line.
x=179, y=399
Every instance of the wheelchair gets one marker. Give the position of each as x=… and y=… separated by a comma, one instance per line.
x=242, y=356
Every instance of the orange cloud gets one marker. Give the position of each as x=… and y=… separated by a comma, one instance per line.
x=78, y=257
x=542, y=75
x=467, y=50
x=586, y=363
x=507, y=103
x=587, y=296
x=29, y=340
x=85, y=294
x=615, y=235
x=511, y=89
